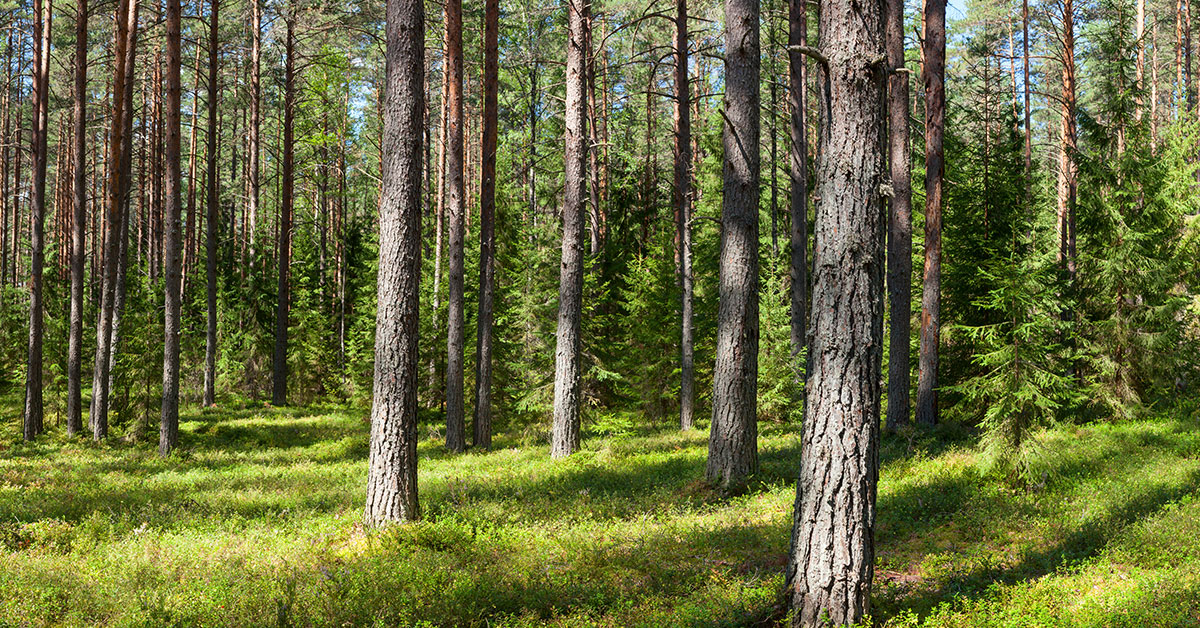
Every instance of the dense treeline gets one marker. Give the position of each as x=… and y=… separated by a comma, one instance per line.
x=728, y=193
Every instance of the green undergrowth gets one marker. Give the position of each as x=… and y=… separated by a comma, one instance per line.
x=255, y=522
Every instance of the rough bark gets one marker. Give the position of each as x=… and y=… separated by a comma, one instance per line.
x=392, y=470
x=33, y=423
x=79, y=191
x=733, y=439
x=899, y=254
x=482, y=425
x=567, y=388
x=455, y=209
x=279, y=368
x=831, y=561
x=683, y=213
x=935, y=122
x=212, y=225
x=172, y=264
x=798, y=208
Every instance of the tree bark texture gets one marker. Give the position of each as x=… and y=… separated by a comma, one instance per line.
x=33, y=423
x=168, y=435
x=482, y=425
x=392, y=470
x=79, y=196
x=213, y=225
x=279, y=369
x=733, y=436
x=797, y=97
x=567, y=388
x=683, y=213
x=832, y=559
x=931, y=291
x=899, y=253
x=126, y=26
x=455, y=210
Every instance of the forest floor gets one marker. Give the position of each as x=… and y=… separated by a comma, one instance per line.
x=256, y=522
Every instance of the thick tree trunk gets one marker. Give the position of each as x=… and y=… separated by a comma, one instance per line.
x=126, y=31
x=392, y=471
x=832, y=551
x=279, y=368
x=169, y=427
x=935, y=122
x=482, y=433
x=683, y=213
x=733, y=439
x=567, y=388
x=798, y=209
x=899, y=254
x=455, y=209
x=79, y=190
x=42, y=9
x=212, y=226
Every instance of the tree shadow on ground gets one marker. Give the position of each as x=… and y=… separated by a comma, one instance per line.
x=480, y=579
x=1089, y=539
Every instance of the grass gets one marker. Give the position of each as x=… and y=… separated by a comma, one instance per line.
x=256, y=522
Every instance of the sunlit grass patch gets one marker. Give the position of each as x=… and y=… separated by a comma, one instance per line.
x=256, y=521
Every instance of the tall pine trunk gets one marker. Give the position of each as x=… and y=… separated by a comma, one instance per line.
x=79, y=191
x=212, y=225
x=126, y=25
x=567, y=386
x=831, y=562
x=683, y=213
x=931, y=296
x=169, y=427
x=279, y=368
x=899, y=253
x=1026, y=88
x=392, y=470
x=482, y=425
x=253, y=141
x=125, y=191
x=798, y=208
x=1068, y=143
x=733, y=439
x=6, y=197
x=42, y=10
x=189, y=244
x=456, y=210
